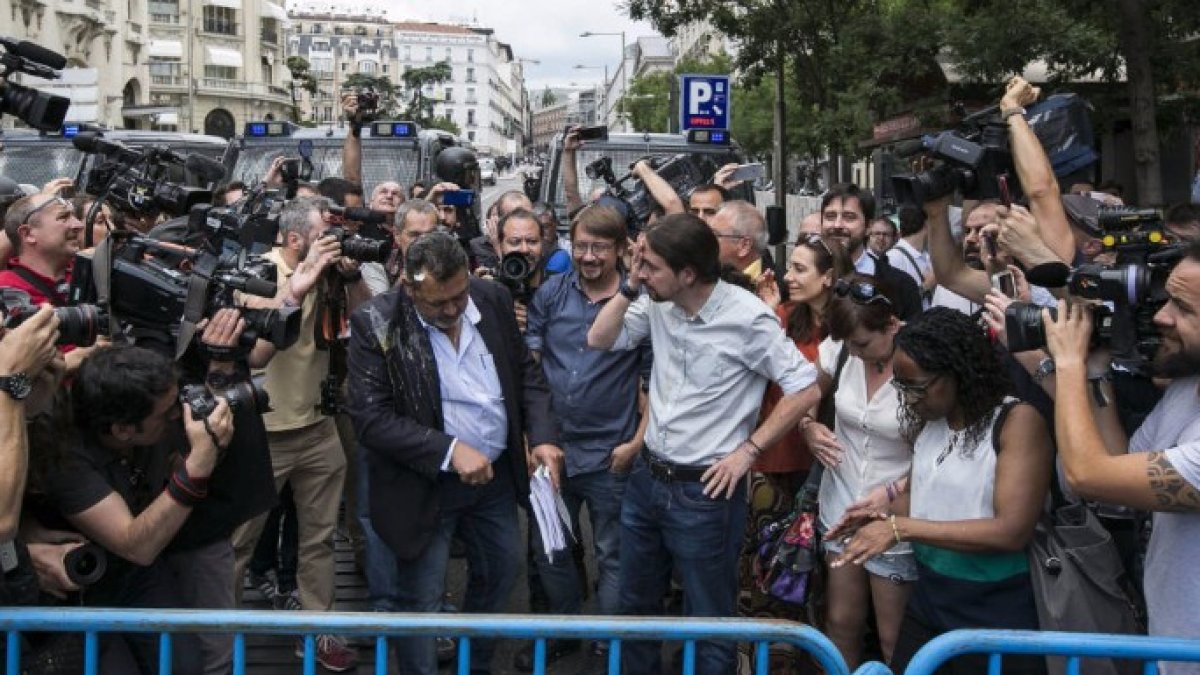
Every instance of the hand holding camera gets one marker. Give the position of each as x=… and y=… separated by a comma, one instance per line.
x=324, y=252
x=1019, y=94
x=206, y=437
x=30, y=347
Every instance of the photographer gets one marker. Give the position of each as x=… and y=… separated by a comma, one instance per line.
x=109, y=487
x=1159, y=468
x=520, y=235
x=303, y=439
x=387, y=196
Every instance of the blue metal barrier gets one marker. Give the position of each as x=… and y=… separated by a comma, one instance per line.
x=1072, y=646
x=92, y=622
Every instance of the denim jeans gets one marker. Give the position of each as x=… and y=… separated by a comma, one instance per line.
x=602, y=491
x=485, y=517
x=379, y=562
x=665, y=525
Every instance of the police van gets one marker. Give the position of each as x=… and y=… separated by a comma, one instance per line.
x=391, y=151
x=713, y=148
x=36, y=158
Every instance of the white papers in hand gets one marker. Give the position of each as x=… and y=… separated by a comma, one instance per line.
x=553, y=520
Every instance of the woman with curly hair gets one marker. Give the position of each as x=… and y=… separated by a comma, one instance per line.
x=980, y=474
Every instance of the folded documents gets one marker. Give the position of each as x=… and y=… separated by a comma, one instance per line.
x=553, y=519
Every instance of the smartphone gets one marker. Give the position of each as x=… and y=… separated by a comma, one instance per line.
x=458, y=197
x=593, y=133
x=747, y=172
x=1005, y=283
x=1005, y=194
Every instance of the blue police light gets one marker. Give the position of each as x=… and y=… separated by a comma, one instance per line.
x=268, y=129
x=70, y=130
x=708, y=136
x=389, y=129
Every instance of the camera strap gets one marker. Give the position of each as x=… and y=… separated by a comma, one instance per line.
x=102, y=277
x=193, y=308
x=54, y=295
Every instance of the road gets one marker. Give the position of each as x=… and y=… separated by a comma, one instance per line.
x=504, y=183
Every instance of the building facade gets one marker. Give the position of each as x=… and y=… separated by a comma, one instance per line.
x=216, y=64
x=104, y=42
x=645, y=55
x=547, y=121
x=699, y=40
x=485, y=95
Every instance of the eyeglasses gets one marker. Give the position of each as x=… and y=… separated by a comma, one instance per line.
x=718, y=235
x=860, y=292
x=816, y=240
x=596, y=248
x=914, y=390
x=52, y=200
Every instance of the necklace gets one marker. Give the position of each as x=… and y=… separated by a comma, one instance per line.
x=955, y=439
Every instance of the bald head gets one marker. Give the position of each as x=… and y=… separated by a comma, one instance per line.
x=511, y=201
x=811, y=223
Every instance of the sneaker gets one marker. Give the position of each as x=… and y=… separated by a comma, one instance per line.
x=288, y=601
x=332, y=653
x=265, y=585
x=447, y=649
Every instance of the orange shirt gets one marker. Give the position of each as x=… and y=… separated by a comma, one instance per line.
x=790, y=453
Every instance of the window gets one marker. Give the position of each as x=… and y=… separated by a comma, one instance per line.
x=366, y=67
x=384, y=67
x=316, y=29
x=470, y=74
x=165, y=70
x=407, y=53
x=344, y=65
x=429, y=53
x=220, y=72
x=449, y=94
x=470, y=135
x=449, y=57
x=163, y=11
x=328, y=117
x=321, y=65
x=221, y=20
x=470, y=94
x=471, y=55
x=470, y=117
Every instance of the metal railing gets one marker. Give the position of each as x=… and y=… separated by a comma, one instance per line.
x=380, y=626
x=1073, y=647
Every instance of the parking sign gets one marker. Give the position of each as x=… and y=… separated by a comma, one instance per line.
x=704, y=102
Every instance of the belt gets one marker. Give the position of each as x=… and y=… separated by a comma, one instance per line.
x=670, y=472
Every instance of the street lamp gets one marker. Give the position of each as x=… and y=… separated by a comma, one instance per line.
x=624, y=76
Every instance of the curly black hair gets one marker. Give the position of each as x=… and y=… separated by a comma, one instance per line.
x=946, y=342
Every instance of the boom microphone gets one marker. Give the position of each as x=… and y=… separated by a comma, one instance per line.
x=35, y=52
x=1049, y=275
x=92, y=142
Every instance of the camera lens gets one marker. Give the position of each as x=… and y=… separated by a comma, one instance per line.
x=78, y=325
x=366, y=250
x=86, y=565
x=516, y=267
x=1023, y=322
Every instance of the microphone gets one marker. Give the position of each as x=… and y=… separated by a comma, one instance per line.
x=35, y=52
x=1049, y=275
x=92, y=142
x=909, y=148
x=209, y=170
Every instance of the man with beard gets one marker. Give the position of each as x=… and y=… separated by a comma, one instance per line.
x=1158, y=470
x=845, y=212
x=716, y=348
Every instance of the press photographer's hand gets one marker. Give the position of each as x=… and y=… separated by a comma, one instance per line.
x=30, y=347
x=1069, y=336
x=207, y=437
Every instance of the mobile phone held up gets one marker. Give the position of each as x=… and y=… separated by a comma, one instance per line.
x=593, y=133
x=747, y=172
x=458, y=197
x=1005, y=283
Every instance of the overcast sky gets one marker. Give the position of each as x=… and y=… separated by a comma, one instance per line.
x=542, y=30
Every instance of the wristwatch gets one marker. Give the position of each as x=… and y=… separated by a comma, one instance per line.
x=1045, y=369
x=1009, y=112
x=628, y=291
x=17, y=385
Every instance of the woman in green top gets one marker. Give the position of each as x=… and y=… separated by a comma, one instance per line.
x=980, y=475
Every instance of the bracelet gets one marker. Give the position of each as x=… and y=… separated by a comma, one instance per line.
x=1009, y=112
x=757, y=448
x=895, y=530
x=186, y=490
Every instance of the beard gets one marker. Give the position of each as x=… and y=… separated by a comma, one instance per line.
x=1175, y=363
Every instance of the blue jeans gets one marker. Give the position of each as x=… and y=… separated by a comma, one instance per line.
x=665, y=525
x=380, y=562
x=486, y=519
x=602, y=491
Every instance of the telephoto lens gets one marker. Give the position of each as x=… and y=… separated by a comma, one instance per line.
x=86, y=565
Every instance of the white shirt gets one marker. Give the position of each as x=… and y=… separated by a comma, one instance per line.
x=869, y=433
x=710, y=371
x=897, y=259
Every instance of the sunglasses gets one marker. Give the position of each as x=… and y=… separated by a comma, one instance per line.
x=816, y=240
x=861, y=292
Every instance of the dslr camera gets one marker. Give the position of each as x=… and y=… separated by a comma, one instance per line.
x=78, y=325
x=368, y=105
x=1132, y=289
x=360, y=248
x=515, y=271
x=247, y=394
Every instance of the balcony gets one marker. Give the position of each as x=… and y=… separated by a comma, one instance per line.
x=224, y=84
x=471, y=100
x=169, y=19
x=270, y=37
x=168, y=81
x=219, y=27
x=135, y=30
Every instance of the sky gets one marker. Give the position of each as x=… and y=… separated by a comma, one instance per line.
x=542, y=30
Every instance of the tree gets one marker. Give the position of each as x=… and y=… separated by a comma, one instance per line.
x=445, y=124
x=381, y=85
x=419, y=107
x=299, y=68
x=646, y=103
x=548, y=98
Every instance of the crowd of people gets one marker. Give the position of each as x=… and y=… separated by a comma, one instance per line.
x=675, y=379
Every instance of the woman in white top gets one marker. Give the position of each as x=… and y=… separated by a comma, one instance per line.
x=980, y=474
x=864, y=451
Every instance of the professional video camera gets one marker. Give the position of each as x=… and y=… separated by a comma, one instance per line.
x=972, y=158
x=77, y=325
x=249, y=394
x=167, y=289
x=1133, y=289
x=628, y=194
x=135, y=179
x=39, y=110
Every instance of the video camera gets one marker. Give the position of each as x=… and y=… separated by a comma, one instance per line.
x=39, y=110
x=166, y=289
x=971, y=159
x=628, y=194
x=135, y=179
x=368, y=105
x=1133, y=288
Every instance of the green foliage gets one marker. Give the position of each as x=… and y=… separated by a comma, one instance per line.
x=548, y=98
x=302, y=77
x=444, y=123
x=418, y=106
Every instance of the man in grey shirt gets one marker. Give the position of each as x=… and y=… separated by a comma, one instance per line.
x=715, y=348
x=1159, y=469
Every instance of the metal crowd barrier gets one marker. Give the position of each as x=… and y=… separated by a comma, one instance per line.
x=380, y=626
x=1073, y=647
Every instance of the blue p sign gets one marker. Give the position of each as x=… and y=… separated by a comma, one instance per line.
x=705, y=102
